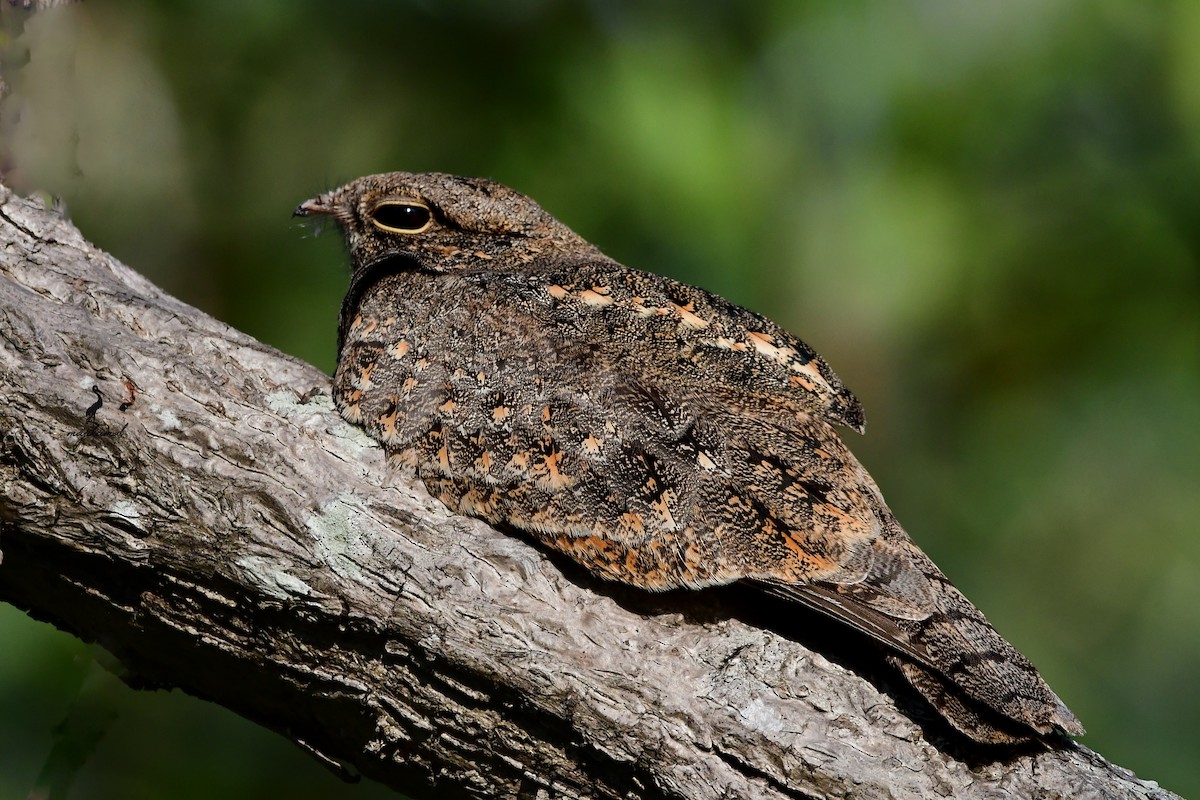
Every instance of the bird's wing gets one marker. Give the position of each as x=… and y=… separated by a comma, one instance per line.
x=789, y=506
x=691, y=332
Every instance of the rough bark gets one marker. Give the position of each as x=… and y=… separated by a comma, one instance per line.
x=219, y=528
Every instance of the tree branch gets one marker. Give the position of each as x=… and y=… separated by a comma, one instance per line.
x=219, y=528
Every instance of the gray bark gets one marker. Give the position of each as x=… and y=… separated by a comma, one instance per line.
x=227, y=533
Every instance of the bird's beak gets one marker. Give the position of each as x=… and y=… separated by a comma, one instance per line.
x=317, y=205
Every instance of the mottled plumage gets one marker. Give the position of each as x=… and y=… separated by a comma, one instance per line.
x=656, y=433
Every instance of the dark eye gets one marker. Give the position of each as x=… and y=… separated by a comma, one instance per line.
x=403, y=217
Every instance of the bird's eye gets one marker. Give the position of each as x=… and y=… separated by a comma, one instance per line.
x=402, y=217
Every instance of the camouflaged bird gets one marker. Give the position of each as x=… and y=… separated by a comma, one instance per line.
x=658, y=434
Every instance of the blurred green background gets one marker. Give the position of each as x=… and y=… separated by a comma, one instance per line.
x=985, y=216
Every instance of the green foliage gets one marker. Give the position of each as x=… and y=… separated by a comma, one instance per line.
x=986, y=216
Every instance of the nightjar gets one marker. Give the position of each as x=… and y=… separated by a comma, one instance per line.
x=654, y=432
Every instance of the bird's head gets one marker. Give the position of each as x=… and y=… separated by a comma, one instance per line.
x=441, y=223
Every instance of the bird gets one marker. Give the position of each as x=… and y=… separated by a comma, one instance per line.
x=656, y=433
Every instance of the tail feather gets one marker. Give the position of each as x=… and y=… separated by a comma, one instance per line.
x=941, y=643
